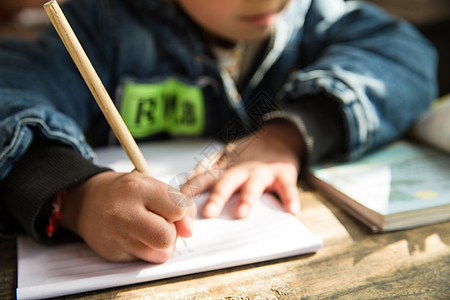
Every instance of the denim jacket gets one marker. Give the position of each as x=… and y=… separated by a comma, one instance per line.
x=379, y=71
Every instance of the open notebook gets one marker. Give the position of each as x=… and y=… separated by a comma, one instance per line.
x=268, y=233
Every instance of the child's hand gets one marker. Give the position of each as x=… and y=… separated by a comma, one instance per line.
x=127, y=216
x=267, y=161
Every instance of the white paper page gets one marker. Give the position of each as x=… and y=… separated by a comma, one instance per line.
x=268, y=233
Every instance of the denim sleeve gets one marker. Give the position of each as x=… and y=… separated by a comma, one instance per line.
x=42, y=92
x=45, y=169
x=380, y=70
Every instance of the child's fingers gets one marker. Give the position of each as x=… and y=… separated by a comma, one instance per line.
x=285, y=186
x=152, y=230
x=163, y=200
x=207, y=163
x=200, y=182
x=132, y=240
x=143, y=252
x=251, y=191
x=290, y=199
x=184, y=226
x=252, y=179
x=133, y=249
x=222, y=191
x=206, y=174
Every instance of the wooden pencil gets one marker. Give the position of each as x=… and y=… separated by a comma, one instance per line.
x=95, y=85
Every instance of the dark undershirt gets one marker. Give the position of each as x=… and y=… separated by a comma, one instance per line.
x=44, y=170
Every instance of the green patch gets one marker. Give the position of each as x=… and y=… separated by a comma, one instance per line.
x=169, y=106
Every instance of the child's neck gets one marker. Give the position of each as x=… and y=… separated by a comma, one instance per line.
x=219, y=41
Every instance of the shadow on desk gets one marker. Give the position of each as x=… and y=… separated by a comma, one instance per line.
x=416, y=240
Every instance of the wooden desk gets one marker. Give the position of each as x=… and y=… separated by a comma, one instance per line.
x=354, y=264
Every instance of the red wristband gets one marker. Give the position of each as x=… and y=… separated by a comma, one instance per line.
x=56, y=213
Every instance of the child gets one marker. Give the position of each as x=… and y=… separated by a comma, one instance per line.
x=284, y=83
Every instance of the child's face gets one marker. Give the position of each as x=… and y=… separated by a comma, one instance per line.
x=235, y=20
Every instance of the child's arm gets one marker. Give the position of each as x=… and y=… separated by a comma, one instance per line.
x=48, y=167
x=269, y=160
x=266, y=161
x=379, y=71
x=272, y=158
